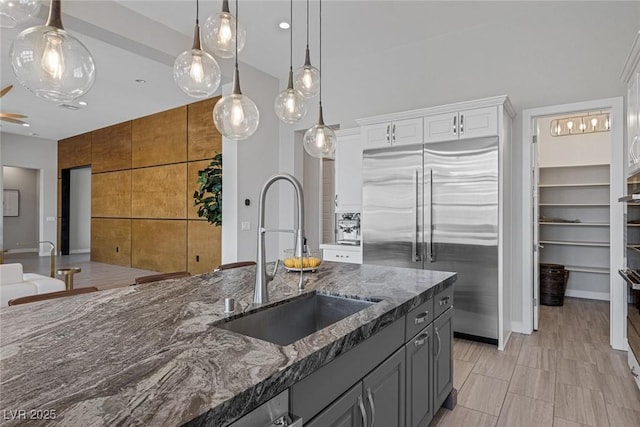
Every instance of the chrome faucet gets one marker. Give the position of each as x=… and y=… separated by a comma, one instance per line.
x=260, y=293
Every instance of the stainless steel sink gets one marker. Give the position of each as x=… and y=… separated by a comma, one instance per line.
x=287, y=323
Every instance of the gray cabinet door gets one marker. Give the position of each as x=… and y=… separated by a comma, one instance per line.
x=347, y=411
x=384, y=391
x=443, y=353
x=419, y=379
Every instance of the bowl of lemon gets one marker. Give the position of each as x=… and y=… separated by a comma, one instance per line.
x=310, y=260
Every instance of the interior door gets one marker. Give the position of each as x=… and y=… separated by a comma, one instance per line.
x=535, y=182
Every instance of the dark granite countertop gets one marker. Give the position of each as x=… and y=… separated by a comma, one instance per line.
x=151, y=354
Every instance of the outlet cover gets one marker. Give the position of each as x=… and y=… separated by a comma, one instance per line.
x=245, y=226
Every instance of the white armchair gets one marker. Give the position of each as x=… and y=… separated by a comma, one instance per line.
x=14, y=283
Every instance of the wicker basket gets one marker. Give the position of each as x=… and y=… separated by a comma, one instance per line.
x=553, y=283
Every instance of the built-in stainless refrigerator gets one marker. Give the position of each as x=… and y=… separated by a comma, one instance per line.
x=435, y=206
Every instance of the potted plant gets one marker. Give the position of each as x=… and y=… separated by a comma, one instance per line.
x=208, y=197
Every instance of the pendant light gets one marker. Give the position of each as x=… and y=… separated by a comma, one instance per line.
x=222, y=32
x=320, y=140
x=195, y=71
x=307, y=77
x=236, y=116
x=50, y=62
x=14, y=12
x=290, y=105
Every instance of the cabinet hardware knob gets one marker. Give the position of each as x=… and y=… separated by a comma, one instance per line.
x=445, y=300
x=455, y=129
x=372, y=406
x=439, y=343
x=461, y=124
x=388, y=136
x=363, y=412
x=421, y=339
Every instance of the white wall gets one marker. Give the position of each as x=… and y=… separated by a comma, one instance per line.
x=80, y=211
x=246, y=166
x=21, y=232
x=42, y=154
x=537, y=53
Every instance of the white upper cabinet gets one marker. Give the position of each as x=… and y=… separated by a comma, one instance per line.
x=348, y=170
x=472, y=123
x=398, y=132
x=631, y=76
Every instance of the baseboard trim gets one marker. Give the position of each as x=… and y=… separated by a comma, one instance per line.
x=602, y=296
x=79, y=251
x=22, y=250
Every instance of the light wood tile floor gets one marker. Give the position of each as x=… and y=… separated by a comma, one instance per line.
x=563, y=375
x=102, y=276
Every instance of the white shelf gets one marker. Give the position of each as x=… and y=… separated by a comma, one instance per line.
x=595, y=184
x=582, y=269
x=568, y=243
x=576, y=205
x=574, y=166
x=633, y=225
x=579, y=224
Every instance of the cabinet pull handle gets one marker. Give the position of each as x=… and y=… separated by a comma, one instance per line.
x=421, y=339
x=393, y=132
x=388, y=136
x=445, y=300
x=372, y=406
x=421, y=318
x=335, y=201
x=455, y=128
x=362, y=411
x=633, y=372
x=461, y=124
x=438, y=337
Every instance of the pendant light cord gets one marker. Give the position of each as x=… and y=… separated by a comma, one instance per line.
x=307, y=24
x=237, y=34
x=197, y=12
x=291, y=36
x=320, y=62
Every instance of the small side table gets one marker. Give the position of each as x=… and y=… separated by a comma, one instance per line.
x=68, y=275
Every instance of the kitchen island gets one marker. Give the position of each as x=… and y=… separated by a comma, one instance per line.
x=152, y=354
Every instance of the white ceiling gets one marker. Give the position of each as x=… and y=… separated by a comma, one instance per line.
x=139, y=39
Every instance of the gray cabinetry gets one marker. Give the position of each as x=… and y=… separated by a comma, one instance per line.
x=347, y=411
x=384, y=392
x=443, y=359
x=419, y=379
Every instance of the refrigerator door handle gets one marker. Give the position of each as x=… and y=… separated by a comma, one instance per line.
x=430, y=252
x=415, y=255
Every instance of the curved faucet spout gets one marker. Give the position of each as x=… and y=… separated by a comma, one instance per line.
x=261, y=294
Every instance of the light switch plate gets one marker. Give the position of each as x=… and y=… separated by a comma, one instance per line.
x=245, y=226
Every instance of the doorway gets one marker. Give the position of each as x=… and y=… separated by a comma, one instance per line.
x=21, y=228
x=76, y=211
x=570, y=184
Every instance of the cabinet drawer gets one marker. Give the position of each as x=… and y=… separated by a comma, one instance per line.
x=351, y=257
x=443, y=301
x=417, y=319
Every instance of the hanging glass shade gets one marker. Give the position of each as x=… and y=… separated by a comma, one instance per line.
x=14, y=12
x=221, y=31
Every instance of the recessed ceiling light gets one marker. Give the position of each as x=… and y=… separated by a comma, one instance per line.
x=284, y=25
x=141, y=81
x=26, y=125
x=82, y=103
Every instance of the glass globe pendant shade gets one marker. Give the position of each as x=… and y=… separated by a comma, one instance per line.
x=52, y=63
x=14, y=12
x=320, y=140
x=236, y=116
x=197, y=73
x=219, y=35
x=290, y=105
x=307, y=79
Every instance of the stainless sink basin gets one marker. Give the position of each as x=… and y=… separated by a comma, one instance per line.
x=287, y=323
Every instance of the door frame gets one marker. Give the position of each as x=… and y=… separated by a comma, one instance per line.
x=617, y=171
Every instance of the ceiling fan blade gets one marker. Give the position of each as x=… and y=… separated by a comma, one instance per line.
x=4, y=91
x=13, y=115
x=7, y=119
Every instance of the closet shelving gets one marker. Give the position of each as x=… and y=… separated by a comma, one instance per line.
x=574, y=220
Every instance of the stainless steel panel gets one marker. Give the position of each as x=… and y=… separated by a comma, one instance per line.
x=392, y=202
x=463, y=224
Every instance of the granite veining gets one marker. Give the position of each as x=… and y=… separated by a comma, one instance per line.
x=152, y=354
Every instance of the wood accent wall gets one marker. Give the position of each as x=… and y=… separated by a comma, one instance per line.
x=142, y=185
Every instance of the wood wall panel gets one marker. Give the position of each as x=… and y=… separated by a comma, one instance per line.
x=204, y=138
x=74, y=152
x=111, y=241
x=204, y=248
x=192, y=186
x=111, y=148
x=111, y=194
x=159, y=139
x=159, y=245
x=159, y=192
